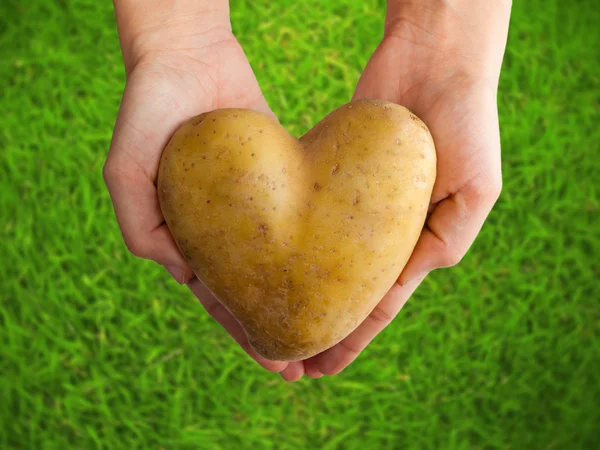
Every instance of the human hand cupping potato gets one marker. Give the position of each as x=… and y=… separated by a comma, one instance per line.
x=181, y=60
x=442, y=61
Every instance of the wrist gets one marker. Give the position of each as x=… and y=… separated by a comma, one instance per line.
x=450, y=37
x=168, y=25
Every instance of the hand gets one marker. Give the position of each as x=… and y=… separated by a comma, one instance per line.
x=176, y=69
x=442, y=63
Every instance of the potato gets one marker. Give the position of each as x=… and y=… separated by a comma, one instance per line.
x=298, y=239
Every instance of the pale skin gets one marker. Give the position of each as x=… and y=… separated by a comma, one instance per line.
x=441, y=59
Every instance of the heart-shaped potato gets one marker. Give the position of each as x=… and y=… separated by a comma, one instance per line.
x=298, y=239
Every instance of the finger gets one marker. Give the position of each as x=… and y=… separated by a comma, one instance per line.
x=337, y=358
x=311, y=369
x=227, y=321
x=293, y=372
x=452, y=228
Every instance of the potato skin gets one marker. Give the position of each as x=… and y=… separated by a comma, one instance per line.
x=298, y=239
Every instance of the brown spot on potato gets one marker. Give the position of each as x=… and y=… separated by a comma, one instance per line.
x=317, y=187
x=334, y=169
x=356, y=199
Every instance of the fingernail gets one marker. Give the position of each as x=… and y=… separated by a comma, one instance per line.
x=176, y=272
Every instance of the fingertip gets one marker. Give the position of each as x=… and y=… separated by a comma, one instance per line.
x=330, y=362
x=272, y=366
x=311, y=370
x=422, y=261
x=293, y=372
x=329, y=369
x=290, y=379
x=268, y=364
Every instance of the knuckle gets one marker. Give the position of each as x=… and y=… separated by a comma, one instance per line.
x=496, y=189
x=381, y=317
x=486, y=190
x=137, y=247
x=351, y=351
x=107, y=172
x=451, y=256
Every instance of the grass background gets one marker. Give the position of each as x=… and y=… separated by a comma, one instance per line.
x=99, y=350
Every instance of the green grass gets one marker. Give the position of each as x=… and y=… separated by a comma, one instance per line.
x=99, y=350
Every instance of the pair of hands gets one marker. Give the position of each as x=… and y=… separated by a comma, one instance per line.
x=443, y=66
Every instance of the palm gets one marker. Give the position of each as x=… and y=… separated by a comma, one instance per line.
x=166, y=90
